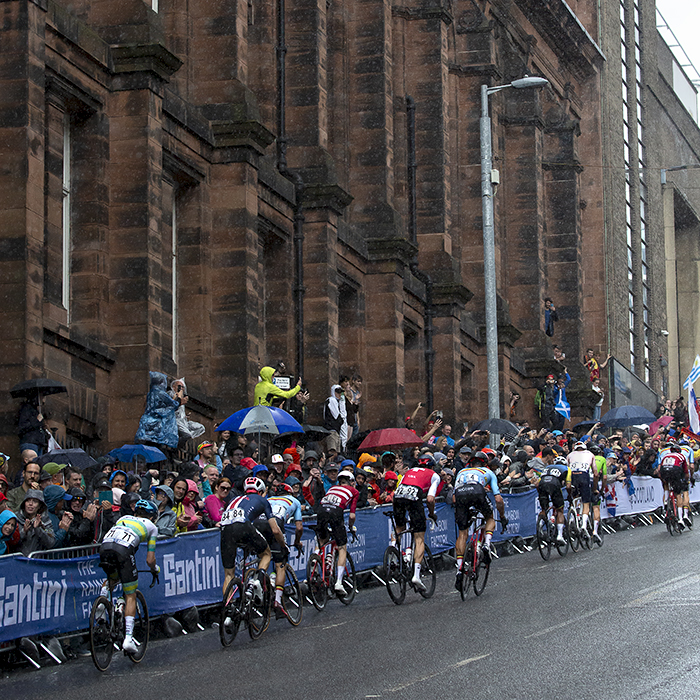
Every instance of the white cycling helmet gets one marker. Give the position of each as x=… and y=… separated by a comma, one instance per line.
x=252, y=483
x=559, y=460
x=347, y=475
x=580, y=445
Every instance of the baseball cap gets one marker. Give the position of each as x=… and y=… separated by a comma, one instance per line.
x=277, y=459
x=390, y=475
x=465, y=450
x=204, y=444
x=260, y=468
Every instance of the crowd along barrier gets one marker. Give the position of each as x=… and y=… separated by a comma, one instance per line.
x=54, y=596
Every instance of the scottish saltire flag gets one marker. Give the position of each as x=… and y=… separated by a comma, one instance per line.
x=694, y=374
x=563, y=408
x=693, y=412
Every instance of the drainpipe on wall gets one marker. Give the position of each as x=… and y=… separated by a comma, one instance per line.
x=419, y=274
x=296, y=179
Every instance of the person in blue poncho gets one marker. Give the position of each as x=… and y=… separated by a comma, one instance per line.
x=158, y=423
x=9, y=535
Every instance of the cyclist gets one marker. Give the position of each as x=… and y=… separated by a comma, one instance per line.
x=601, y=465
x=582, y=467
x=117, y=559
x=674, y=474
x=418, y=483
x=470, y=493
x=284, y=507
x=330, y=517
x=238, y=529
x=551, y=483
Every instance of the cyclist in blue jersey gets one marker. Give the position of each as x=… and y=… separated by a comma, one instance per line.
x=470, y=493
x=284, y=508
x=117, y=558
x=238, y=529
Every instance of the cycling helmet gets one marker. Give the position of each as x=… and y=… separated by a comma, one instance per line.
x=674, y=446
x=560, y=460
x=252, y=483
x=284, y=488
x=146, y=509
x=426, y=459
x=346, y=475
x=481, y=455
x=579, y=445
x=595, y=449
x=489, y=451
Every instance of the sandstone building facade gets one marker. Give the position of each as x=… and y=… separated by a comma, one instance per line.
x=205, y=188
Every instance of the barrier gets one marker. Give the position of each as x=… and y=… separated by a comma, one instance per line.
x=49, y=594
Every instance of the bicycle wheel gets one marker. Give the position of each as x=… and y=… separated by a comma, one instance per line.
x=141, y=629
x=562, y=549
x=349, y=579
x=428, y=575
x=544, y=544
x=572, y=528
x=481, y=575
x=259, y=610
x=232, y=610
x=586, y=533
x=101, y=637
x=318, y=592
x=467, y=571
x=690, y=517
x=292, y=597
x=394, y=575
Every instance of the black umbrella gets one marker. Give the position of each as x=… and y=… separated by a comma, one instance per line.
x=585, y=425
x=75, y=457
x=623, y=416
x=498, y=426
x=32, y=387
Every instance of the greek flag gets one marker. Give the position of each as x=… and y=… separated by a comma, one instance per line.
x=693, y=412
x=694, y=374
x=563, y=407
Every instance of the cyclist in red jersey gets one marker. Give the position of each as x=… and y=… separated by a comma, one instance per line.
x=418, y=483
x=674, y=473
x=330, y=517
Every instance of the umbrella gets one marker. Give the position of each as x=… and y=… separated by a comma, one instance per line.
x=75, y=457
x=498, y=426
x=313, y=433
x=390, y=438
x=127, y=453
x=658, y=424
x=261, y=419
x=33, y=387
x=622, y=416
x=585, y=424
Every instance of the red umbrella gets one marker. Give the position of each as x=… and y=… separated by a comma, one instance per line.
x=390, y=438
x=659, y=423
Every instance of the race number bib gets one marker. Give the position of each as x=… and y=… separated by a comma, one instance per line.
x=410, y=493
x=234, y=515
x=332, y=499
x=123, y=536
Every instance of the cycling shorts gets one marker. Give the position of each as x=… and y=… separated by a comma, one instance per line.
x=416, y=512
x=331, y=518
x=470, y=496
x=278, y=555
x=550, y=487
x=581, y=481
x=119, y=562
x=238, y=535
x=674, y=478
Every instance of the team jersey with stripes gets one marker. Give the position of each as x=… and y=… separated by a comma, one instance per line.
x=129, y=531
x=481, y=475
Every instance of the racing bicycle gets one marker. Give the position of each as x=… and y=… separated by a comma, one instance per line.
x=546, y=534
x=475, y=566
x=108, y=626
x=321, y=571
x=398, y=565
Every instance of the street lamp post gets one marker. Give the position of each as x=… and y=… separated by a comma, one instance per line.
x=488, y=177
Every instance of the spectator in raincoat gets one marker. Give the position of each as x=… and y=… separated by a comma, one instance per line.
x=266, y=390
x=9, y=533
x=158, y=423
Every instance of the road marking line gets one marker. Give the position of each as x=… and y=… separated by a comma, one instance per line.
x=464, y=662
x=338, y=624
x=565, y=623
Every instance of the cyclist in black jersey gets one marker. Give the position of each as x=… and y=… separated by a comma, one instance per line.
x=552, y=480
x=237, y=528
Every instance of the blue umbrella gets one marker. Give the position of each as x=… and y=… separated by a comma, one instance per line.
x=261, y=419
x=623, y=416
x=127, y=453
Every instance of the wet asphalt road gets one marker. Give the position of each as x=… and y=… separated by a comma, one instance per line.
x=616, y=623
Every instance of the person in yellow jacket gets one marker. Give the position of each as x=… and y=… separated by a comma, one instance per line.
x=265, y=389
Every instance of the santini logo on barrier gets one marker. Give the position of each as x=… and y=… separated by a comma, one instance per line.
x=198, y=573
x=40, y=600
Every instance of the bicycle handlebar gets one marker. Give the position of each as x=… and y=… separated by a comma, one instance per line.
x=155, y=575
